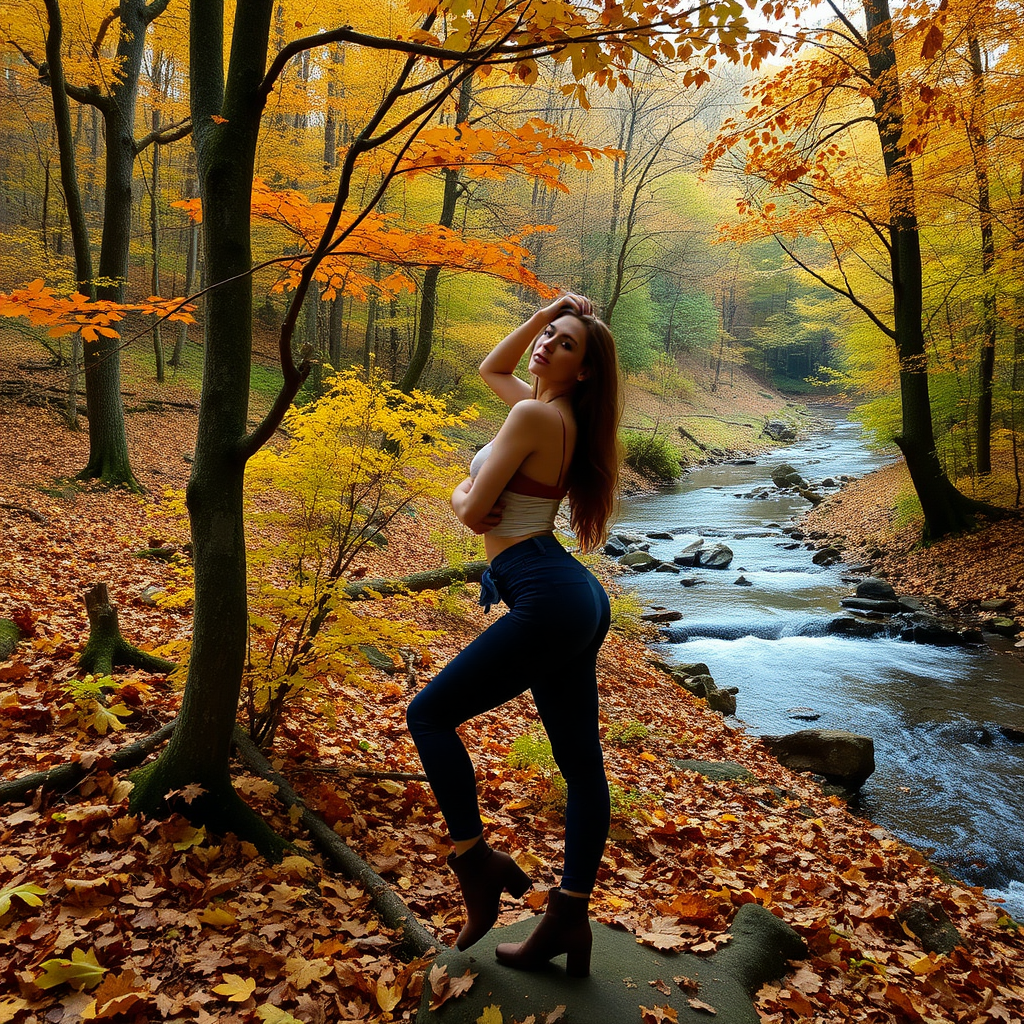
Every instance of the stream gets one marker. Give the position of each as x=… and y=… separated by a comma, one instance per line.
x=947, y=780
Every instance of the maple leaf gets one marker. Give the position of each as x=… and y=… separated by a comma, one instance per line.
x=26, y=892
x=698, y=1005
x=10, y=1007
x=83, y=970
x=188, y=793
x=491, y=1015
x=389, y=996
x=444, y=987
x=236, y=988
x=103, y=718
x=302, y=972
x=270, y=1014
x=119, y=993
x=658, y=1014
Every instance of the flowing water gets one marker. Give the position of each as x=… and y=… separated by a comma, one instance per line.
x=947, y=780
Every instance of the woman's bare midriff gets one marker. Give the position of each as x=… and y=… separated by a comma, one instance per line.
x=493, y=546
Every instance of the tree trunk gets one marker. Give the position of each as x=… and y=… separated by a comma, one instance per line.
x=428, y=293
x=200, y=748
x=154, y=234
x=945, y=509
x=106, y=648
x=978, y=130
x=108, y=443
x=191, y=263
x=72, y=195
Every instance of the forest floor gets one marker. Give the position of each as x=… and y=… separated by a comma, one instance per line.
x=140, y=920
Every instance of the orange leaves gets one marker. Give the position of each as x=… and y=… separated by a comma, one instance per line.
x=43, y=306
x=536, y=149
x=382, y=238
x=444, y=987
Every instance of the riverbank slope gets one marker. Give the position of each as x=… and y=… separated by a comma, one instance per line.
x=877, y=523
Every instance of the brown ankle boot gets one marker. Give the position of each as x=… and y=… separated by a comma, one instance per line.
x=564, y=928
x=484, y=874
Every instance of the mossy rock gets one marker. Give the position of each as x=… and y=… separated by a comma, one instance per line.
x=622, y=973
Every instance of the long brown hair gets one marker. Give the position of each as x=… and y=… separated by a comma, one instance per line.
x=597, y=404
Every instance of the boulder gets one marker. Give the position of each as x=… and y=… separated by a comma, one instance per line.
x=1012, y=734
x=742, y=581
x=629, y=538
x=690, y=581
x=722, y=701
x=779, y=430
x=696, y=668
x=659, y=535
x=811, y=495
x=927, y=629
x=841, y=757
x=875, y=589
x=827, y=556
x=849, y=625
x=931, y=925
x=1003, y=626
x=717, y=557
x=661, y=615
x=690, y=555
x=868, y=604
x=615, y=547
x=644, y=545
x=700, y=685
x=622, y=972
x=786, y=475
x=1002, y=604
x=639, y=561
x=150, y=594
x=668, y=567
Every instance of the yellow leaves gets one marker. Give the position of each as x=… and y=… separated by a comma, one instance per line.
x=491, y=1015
x=271, y=1014
x=236, y=988
x=302, y=973
x=99, y=717
x=27, y=893
x=82, y=970
x=388, y=996
x=217, y=917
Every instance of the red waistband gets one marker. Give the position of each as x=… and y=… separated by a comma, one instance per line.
x=523, y=484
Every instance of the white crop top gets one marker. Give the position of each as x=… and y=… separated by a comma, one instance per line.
x=529, y=505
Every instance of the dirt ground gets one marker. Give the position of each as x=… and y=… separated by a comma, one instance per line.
x=124, y=918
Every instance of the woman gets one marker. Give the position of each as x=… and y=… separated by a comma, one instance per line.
x=559, y=439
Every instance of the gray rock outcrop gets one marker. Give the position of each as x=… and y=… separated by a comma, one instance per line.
x=840, y=757
x=622, y=973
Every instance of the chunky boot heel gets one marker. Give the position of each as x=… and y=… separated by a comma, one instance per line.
x=564, y=928
x=484, y=874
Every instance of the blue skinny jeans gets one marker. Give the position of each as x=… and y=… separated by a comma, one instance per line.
x=547, y=643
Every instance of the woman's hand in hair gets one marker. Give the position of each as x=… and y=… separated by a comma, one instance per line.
x=571, y=302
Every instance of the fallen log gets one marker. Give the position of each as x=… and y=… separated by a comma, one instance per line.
x=67, y=776
x=430, y=579
x=36, y=517
x=393, y=912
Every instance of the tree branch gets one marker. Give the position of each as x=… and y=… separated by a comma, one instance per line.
x=161, y=137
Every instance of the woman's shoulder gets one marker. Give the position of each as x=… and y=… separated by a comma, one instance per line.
x=533, y=412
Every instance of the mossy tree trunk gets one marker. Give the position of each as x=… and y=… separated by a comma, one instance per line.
x=106, y=648
x=199, y=751
x=946, y=510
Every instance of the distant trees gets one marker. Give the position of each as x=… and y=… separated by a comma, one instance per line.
x=811, y=175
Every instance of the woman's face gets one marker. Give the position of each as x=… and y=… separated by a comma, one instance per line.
x=559, y=353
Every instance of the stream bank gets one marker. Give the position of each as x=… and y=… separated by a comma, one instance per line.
x=950, y=776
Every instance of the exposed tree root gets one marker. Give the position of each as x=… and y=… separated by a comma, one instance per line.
x=106, y=647
x=393, y=912
x=67, y=776
x=36, y=517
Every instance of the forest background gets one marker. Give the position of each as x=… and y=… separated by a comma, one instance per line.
x=733, y=218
